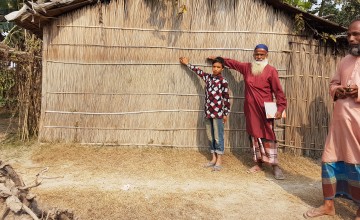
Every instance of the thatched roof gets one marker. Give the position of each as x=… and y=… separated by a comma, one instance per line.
x=33, y=16
x=320, y=24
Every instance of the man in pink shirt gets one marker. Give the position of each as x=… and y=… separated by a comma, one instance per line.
x=341, y=156
x=261, y=85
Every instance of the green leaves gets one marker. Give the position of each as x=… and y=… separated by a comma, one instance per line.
x=7, y=81
x=326, y=36
x=7, y=6
x=299, y=24
x=301, y=4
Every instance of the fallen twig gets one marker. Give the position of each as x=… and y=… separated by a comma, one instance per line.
x=30, y=212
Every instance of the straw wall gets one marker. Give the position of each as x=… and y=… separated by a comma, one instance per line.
x=310, y=104
x=112, y=76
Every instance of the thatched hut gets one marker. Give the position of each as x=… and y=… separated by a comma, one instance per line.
x=111, y=73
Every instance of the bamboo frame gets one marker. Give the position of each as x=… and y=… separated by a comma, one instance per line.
x=181, y=31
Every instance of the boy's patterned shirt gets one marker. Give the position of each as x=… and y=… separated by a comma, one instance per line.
x=216, y=94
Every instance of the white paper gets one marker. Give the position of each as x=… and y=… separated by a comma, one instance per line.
x=271, y=109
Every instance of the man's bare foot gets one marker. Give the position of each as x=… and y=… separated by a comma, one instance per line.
x=254, y=169
x=320, y=211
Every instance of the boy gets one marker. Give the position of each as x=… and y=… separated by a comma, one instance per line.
x=217, y=107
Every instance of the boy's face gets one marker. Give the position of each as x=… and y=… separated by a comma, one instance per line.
x=217, y=68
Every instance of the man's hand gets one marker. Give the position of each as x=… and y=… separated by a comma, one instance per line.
x=278, y=115
x=184, y=60
x=340, y=93
x=352, y=91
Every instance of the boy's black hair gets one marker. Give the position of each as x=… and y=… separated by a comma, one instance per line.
x=219, y=60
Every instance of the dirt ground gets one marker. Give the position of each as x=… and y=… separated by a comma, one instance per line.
x=109, y=183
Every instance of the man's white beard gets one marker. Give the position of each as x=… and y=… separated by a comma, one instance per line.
x=258, y=66
x=355, y=50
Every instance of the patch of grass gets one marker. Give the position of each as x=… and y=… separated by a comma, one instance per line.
x=12, y=141
x=5, y=115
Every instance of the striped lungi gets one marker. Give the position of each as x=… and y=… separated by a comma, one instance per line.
x=341, y=179
x=264, y=150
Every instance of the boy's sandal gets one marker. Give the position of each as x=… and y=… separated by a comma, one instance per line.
x=209, y=164
x=217, y=168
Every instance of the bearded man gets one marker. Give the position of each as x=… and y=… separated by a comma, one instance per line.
x=341, y=156
x=261, y=85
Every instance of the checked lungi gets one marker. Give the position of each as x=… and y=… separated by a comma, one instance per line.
x=341, y=179
x=264, y=150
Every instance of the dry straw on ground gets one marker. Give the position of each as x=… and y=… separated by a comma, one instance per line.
x=167, y=183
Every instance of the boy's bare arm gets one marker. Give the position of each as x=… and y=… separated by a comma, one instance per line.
x=225, y=119
x=184, y=60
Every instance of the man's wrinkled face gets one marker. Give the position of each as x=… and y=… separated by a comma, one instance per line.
x=260, y=61
x=353, y=37
x=260, y=54
x=353, y=34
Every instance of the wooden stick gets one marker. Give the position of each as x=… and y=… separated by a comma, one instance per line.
x=5, y=212
x=181, y=31
x=139, y=129
x=30, y=212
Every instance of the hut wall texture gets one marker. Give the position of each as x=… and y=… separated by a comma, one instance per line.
x=311, y=68
x=112, y=74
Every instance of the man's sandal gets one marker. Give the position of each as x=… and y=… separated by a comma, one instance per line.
x=316, y=212
x=278, y=174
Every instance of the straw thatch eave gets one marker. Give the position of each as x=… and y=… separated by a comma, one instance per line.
x=319, y=26
x=34, y=16
x=318, y=23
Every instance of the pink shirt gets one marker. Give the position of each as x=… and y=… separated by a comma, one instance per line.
x=343, y=140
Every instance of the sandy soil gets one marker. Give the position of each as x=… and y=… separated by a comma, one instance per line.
x=98, y=182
